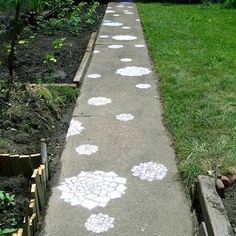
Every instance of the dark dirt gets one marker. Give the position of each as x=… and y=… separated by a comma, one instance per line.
x=29, y=66
x=230, y=204
x=12, y=215
x=33, y=112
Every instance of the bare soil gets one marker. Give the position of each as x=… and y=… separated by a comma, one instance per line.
x=230, y=205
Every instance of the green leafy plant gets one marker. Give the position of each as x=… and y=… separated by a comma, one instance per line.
x=58, y=43
x=6, y=231
x=91, y=14
x=50, y=60
x=6, y=200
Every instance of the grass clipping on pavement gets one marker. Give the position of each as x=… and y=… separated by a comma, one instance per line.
x=194, y=52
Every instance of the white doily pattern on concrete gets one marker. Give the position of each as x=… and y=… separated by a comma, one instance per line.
x=125, y=59
x=124, y=37
x=74, y=128
x=139, y=45
x=99, y=101
x=133, y=71
x=115, y=46
x=143, y=86
x=103, y=36
x=99, y=223
x=86, y=149
x=150, y=171
x=110, y=11
x=94, y=76
x=125, y=27
x=92, y=189
x=114, y=24
x=124, y=117
x=96, y=51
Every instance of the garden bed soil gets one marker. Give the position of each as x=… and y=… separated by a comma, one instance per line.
x=29, y=66
x=30, y=113
x=229, y=202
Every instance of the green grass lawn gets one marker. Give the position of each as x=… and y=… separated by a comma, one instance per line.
x=194, y=52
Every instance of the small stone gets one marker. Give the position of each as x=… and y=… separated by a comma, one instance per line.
x=225, y=180
x=220, y=187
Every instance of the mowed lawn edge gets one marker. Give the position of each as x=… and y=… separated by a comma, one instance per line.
x=194, y=52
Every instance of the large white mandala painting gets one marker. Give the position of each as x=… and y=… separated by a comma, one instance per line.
x=114, y=24
x=133, y=71
x=92, y=189
x=86, y=149
x=124, y=37
x=150, y=171
x=74, y=128
x=124, y=117
x=99, y=223
x=99, y=101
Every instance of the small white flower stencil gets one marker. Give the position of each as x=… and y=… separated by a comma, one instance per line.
x=74, y=128
x=99, y=101
x=133, y=71
x=125, y=59
x=124, y=117
x=112, y=24
x=96, y=51
x=106, y=21
x=138, y=20
x=125, y=27
x=94, y=76
x=143, y=86
x=103, y=36
x=115, y=46
x=139, y=45
x=116, y=14
x=129, y=13
x=124, y=37
x=110, y=11
x=120, y=6
x=86, y=149
x=99, y=223
x=150, y=171
x=92, y=189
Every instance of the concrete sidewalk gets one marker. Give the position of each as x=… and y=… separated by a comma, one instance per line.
x=118, y=174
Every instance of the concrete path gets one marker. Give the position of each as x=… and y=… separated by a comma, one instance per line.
x=118, y=174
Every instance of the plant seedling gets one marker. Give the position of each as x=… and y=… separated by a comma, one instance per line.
x=58, y=43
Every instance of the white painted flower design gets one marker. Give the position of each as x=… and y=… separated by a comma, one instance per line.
x=120, y=6
x=115, y=46
x=106, y=21
x=116, y=14
x=112, y=24
x=139, y=45
x=133, y=71
x=110, y=11
x=143, y=86
x=103, y=36
x=74, y=128
x=138, y=20
x=124, y=117
x=150, y=171
x=124, y=37
x=92, y=189
x=94, y=76
x=125, y=27
x=99, y=223
x=130, y=7
x=96, y=51
x=86, y=149
x=125, y=59
x=99, y=101
x=129, y=13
